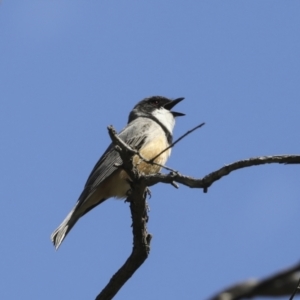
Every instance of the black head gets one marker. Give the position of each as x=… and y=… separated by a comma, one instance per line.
x=147, y=106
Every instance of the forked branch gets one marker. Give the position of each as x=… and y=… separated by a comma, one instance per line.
x=138, y=208
x=205, y=182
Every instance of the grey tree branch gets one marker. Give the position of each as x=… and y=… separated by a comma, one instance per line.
x=141, y=243
x=281, y=284
x=138, y=209
x=205, y=182
x=141, y=238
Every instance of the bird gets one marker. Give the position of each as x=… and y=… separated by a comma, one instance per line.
x=150, y=131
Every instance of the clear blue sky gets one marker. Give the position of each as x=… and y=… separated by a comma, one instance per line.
x=70, y=68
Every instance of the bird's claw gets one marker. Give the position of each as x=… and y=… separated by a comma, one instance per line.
x=148, y=192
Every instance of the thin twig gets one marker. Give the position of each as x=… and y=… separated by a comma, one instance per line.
x=174, y=143
x=157, y=164
x=152, y=162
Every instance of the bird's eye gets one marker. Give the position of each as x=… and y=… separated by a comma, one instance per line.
x=155, y=103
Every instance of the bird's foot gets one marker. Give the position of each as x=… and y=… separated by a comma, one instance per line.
x=148, y=192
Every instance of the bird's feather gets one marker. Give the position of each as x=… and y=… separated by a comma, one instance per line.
x=133, y=135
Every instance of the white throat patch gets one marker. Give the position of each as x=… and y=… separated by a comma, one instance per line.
x=165, y=117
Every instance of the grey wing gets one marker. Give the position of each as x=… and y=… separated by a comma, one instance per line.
x=133, y=135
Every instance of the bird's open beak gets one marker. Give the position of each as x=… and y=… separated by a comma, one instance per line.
x=171, y=104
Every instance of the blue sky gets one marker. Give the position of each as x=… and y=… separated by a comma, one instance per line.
x=71, y=68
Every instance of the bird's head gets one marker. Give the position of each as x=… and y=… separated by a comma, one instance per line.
x=158, y=108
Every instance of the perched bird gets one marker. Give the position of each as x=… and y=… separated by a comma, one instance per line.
x=149, y=130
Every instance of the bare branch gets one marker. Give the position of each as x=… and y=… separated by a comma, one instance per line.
x=174, y=143
x=280, y=284
x=209, y=179
x=141, y=243
x=138, y=208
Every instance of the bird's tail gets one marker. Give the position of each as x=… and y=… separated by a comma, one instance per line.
x=62, y=230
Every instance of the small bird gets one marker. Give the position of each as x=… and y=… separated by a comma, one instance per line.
x=149, y=131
